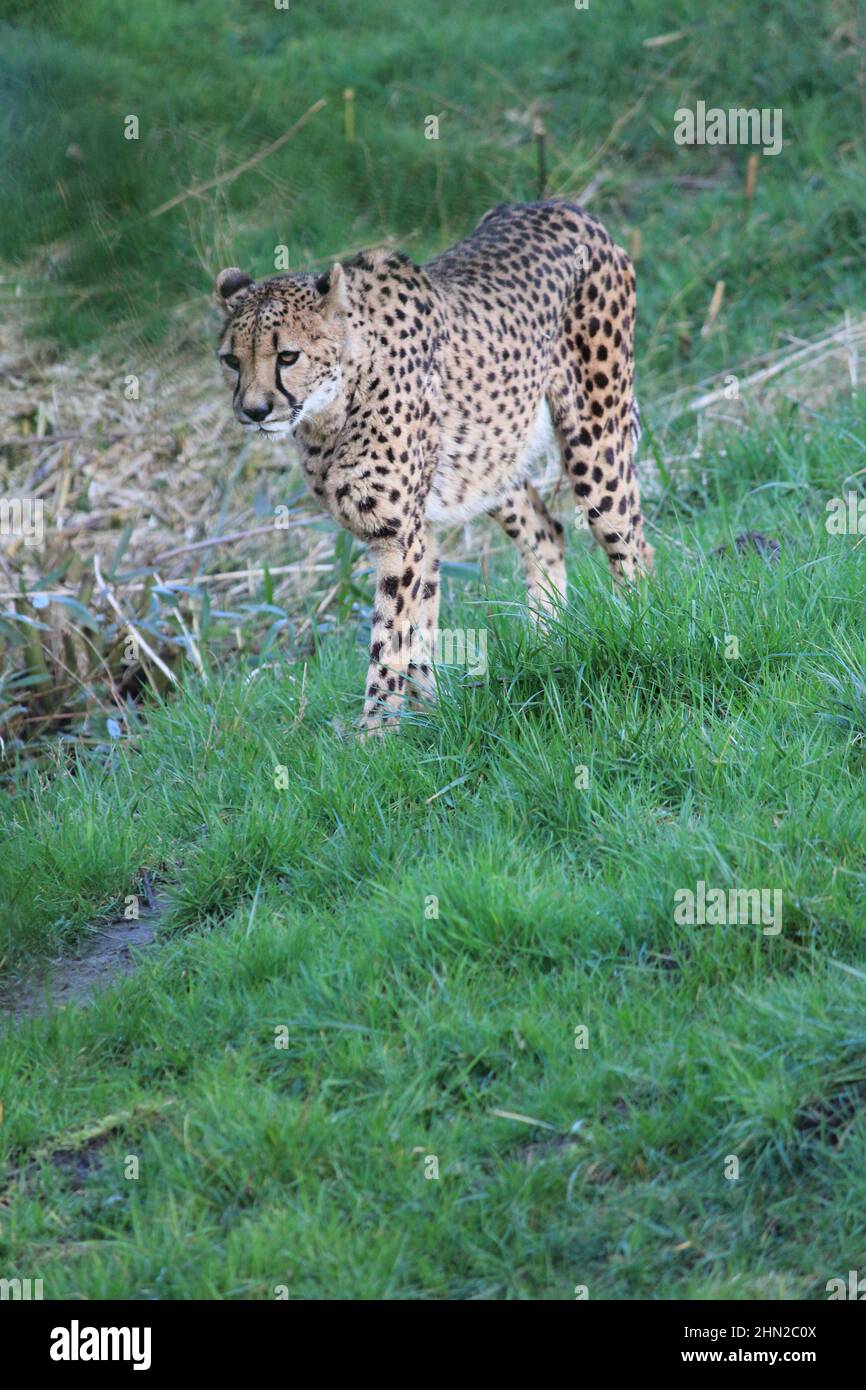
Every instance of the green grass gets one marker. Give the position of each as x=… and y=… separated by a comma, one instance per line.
x=91, y=258
x=310, y=909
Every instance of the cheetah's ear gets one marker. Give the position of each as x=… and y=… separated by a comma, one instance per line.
x=332, y=288
x=231, y=286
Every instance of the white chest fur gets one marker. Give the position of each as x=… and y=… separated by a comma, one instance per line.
x=453, y=498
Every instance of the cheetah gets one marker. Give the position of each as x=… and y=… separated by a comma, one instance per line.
x=414, y=395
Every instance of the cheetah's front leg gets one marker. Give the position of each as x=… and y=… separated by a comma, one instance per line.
x=421, y=683
x=399, y=577
x=540, y=540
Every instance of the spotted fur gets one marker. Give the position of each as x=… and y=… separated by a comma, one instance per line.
x=414, y=395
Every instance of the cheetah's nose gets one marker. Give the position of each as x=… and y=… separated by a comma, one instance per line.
x=257, y=412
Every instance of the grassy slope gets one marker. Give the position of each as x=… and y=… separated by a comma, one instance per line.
x=306, y=908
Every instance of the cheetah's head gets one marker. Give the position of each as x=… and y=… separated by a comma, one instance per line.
x=282, y=348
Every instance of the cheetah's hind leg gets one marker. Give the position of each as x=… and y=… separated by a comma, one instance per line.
x=595, y=414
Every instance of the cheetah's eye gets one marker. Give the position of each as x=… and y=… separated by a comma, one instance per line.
x=287, y=359
x=230, y=361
